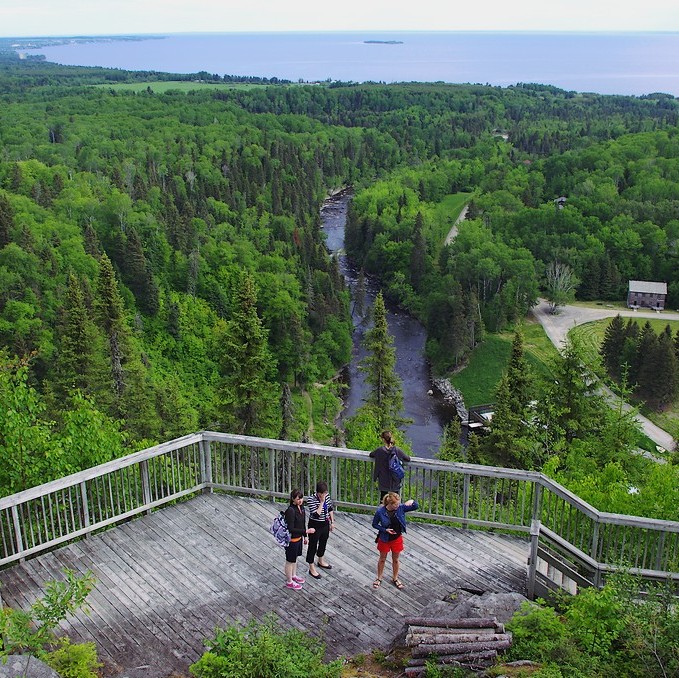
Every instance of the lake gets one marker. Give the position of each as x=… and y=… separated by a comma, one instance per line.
x=607, y=63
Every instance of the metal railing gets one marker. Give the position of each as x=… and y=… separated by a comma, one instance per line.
x=570, y=544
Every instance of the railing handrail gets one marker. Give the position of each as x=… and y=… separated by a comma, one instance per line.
x=571, y=542
x=338, y=452
x=97, y=471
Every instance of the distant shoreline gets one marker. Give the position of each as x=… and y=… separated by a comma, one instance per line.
x=383, y=42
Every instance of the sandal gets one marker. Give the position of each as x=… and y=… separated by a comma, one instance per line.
x=397, y=583
x=376, y=583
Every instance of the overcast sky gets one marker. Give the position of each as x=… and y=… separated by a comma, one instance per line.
x=110, y=17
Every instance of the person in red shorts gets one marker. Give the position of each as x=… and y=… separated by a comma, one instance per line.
x=390, y=521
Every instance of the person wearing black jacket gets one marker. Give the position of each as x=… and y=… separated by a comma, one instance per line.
x=381, y=472
x=295, y=518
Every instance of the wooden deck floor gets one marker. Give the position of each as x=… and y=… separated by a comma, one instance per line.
x=165, y=581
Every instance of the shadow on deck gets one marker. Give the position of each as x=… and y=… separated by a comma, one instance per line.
x=165, y=581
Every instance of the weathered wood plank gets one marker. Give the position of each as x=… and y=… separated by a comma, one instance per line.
x=166, y=580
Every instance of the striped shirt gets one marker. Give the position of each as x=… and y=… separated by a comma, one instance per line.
x=316, y=511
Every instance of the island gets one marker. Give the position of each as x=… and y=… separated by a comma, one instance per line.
x=383, y=42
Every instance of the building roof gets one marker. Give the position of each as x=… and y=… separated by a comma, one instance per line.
x=647, y=287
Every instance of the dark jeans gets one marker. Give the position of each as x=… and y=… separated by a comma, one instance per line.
x=317, y=540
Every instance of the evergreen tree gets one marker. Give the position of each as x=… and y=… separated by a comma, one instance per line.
x=6, y=221
x=91, y=242
x=418, y=253
x=79, y=345
x=133, y=393
x=248, y=393
x=511, y=436
x=451, y=448
x=590, y=285
x=658, y=375
x=138, y=275
x=645, y=367
x=630, y=351
x=385, y=397
x=612, y=345
x=111, y=319
x=573, y=405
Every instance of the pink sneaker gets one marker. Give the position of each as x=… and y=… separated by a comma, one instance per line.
x=294, y=585
x=299, y=580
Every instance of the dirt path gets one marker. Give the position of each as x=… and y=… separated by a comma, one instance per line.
x=557, y=327
x=453, y=231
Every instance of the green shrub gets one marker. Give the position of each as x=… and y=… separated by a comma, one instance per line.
x=539, y=634
x=262, y=651
x=74, y=661
x=603, y=633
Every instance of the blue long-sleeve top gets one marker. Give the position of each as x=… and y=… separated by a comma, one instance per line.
x=382, y=521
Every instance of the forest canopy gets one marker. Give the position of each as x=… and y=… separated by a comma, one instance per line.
x=142, y=234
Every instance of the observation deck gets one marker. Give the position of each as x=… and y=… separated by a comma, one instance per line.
x=166, y=580
x=178, y=538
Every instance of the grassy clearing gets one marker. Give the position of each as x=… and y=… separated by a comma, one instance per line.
x=162, y=86
x=479, y=379
x=446, y=213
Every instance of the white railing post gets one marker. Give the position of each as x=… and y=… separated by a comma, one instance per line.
x=17, y=529
x=533, y=557
x=594, y=554
x=334, y=489
x=145, y=484
x=205, y=465
x=272, y=474
x=465, y=499
x=86, y=506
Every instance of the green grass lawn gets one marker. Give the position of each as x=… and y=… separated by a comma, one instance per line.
x=447, y=211
x=162, y=86
x=478, y=380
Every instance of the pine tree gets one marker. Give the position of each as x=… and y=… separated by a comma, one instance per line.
x=658, y=374
x=6, y=221
x=612, y=345
x=571, y=400
x=248, y=393
x=418, y=253
x=630, y=351
x=110, y=316
x=385, y=397
x=138, y=275
x=75, y=364
x=451, y=448
x=134, y=395
x=645, y=367
x=511, y=438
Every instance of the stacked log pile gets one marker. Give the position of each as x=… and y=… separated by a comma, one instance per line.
x=468, y=642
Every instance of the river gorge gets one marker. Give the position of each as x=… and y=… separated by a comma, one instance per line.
x=428, y=413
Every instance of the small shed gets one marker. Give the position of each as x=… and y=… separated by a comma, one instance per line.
x=645, y=294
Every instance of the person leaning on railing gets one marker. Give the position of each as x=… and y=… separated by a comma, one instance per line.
x=381, y=472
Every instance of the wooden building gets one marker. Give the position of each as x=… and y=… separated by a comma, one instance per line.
x=645, y=294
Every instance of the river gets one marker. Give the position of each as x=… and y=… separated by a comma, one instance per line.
x=429, y=414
